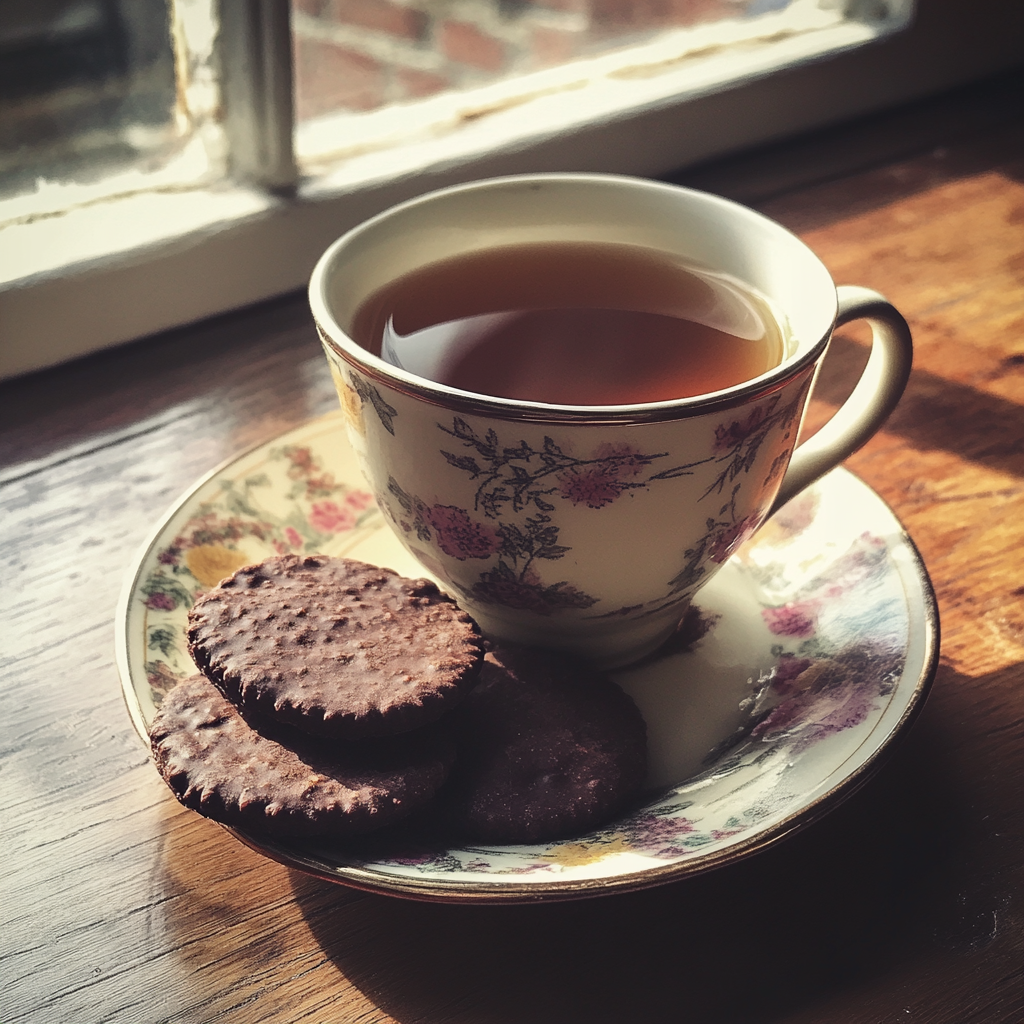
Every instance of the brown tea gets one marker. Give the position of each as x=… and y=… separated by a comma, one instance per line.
x=572, y=323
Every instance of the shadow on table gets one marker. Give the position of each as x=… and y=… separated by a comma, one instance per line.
x=877, y=884
x=935, y=413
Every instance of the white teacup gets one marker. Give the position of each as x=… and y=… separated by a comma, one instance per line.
x=639, y=505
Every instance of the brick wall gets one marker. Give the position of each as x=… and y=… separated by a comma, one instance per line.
x=357, y=55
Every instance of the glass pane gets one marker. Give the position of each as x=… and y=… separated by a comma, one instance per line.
x=87, y=87
x=359, y=55
x=356, y=58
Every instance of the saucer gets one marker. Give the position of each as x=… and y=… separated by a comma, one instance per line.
x=797, y=667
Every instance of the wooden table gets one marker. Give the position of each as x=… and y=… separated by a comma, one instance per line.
x=904, y=904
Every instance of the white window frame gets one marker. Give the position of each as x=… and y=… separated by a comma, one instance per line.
x=108, y=272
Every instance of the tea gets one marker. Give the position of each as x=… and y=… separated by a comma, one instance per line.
x=572, y=323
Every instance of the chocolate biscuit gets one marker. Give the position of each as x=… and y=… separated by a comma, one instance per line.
x=335, y=647
x=547, y=747
x=287, y=783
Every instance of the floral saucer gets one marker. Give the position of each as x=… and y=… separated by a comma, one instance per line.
x=796, y=668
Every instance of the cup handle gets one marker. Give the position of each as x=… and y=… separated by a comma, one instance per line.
x=875, y=396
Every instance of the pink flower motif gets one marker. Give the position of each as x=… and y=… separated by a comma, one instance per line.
x=813, y=716
x=782, y=716
x=733, y=435
x=600, y=484
x=594, y=487
x=359, y=500
x=850, y=706
x=866, y=558
x=330, y=517
x=162, y=602
x=795, y=516
x=168, y=557
x=301, y=460
x=292, y=536
x=281, y=548
x=459, y=536
x=726, y=542
x=788, y=669
x=660, y=836
x=798, y=618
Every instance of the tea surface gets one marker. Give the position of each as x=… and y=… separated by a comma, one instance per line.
x=572, y=323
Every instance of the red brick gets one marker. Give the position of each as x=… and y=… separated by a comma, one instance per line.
x=381, y=15
x=330, y=77
x=414, y=83
x=693, y=12
x=642, y=14
x=554, y=45
x=467, y=44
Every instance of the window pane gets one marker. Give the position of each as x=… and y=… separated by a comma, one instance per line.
x=355, y=58
x=87, y=89
x=358, y=55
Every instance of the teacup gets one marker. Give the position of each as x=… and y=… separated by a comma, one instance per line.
x=590, y=528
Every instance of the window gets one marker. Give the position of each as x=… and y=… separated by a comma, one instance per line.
x=167, y=166
x=87, y=87
x=377, y=74
x=90, y=103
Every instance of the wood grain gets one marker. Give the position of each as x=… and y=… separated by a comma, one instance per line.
x=904, y=904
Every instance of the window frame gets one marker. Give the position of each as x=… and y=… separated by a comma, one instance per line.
x=257, y=237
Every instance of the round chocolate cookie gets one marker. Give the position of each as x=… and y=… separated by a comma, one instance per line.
x=547, y=747
x=218, y=764
x=335, y=647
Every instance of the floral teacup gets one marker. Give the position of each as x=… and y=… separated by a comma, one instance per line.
x=589, y=528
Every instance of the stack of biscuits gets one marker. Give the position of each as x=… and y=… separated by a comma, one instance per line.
x=335, y=698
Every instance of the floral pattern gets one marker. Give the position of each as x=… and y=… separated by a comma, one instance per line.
x=513, y=582
x=814, y=692
x=735, y=449
x=514, y=516
x=368, y=393
x=234, y=528
x=524, y=481
x=827, y=594
x=796, y=618
x=613, y=470
x=516, y=477
x=459, y=536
